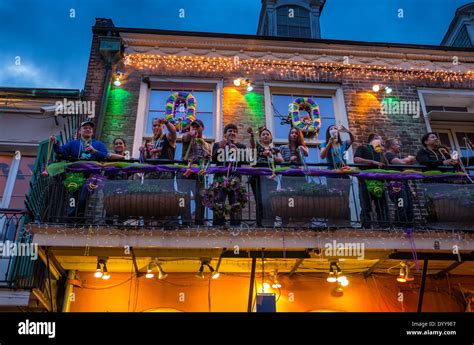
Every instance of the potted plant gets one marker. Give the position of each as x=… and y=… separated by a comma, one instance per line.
x=145, y=199
x=311, y=200
x=451, y=202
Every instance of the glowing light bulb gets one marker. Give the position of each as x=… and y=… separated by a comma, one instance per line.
x=149, y=274
x=98, y=273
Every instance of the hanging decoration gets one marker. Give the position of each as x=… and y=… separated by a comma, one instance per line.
x=227, y=185
x=94, y=182
x=394, y=188
x=74, y=181
x=45, y=172
x=183, y=102
x=375, y=187
x=303, y=70
x=308, y=124
x=409, y=233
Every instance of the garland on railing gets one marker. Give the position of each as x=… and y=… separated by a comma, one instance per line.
x=228, y=185
x=132, y=168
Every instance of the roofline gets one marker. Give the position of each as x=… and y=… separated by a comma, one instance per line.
x=99, y=30
x=455, y=20
x=41, y=92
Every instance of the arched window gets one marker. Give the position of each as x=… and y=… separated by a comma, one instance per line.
x=293, y=21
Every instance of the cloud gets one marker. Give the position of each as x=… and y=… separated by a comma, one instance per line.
x=28, y=75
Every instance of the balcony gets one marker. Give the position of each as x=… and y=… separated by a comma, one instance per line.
x=159, y=195
x=24, y=276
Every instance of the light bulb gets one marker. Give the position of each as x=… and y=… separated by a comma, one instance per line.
x=98, y=273
x=331, y=278
x=149, y=274
x=342, y=278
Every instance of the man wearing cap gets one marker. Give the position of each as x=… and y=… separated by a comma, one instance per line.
x=84, y=148
x=195, y=149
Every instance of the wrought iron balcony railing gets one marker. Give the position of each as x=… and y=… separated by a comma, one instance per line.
x=20, y=264
x=161, y=194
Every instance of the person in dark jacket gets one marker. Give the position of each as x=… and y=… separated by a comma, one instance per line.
x=84, y=148
x=433, y=154
x=373, y=157
x=220, y=156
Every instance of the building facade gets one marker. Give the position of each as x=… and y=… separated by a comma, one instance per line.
x=133, y=72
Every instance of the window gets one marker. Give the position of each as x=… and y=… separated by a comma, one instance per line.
x=330, y=114
x=296, y=26
x=21, y=182
x=206, y=110
x=458, y=139
x=451, y=116
x=462, y=39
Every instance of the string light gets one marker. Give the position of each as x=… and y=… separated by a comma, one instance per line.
x=297, y=69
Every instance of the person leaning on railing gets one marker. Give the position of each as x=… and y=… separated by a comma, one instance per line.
x=372, y=155
x=335, y=149
x=296, y=146
x=402, y=200
x=195, y=149
x=433, y=154
x=219, y=156
x=119, y=150
x=162, y=146
x=266, y=153
x=84, y=148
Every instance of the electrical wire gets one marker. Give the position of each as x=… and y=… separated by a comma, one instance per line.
x=106, y=287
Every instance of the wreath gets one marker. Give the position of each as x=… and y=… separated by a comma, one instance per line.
x=228, y=185
x=309, y=125
x=176, y=101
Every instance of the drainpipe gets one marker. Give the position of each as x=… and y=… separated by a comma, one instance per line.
x=68, y=290
x=111, y=50
x=103, y=102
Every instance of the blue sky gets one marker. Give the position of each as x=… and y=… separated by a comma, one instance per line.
x=53, y=48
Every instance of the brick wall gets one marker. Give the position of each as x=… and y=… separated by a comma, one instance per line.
x=362, y=105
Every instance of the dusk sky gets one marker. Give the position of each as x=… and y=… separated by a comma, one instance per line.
x=53, y=47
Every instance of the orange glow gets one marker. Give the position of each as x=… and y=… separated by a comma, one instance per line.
x=301, y=293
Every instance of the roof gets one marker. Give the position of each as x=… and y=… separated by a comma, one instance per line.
x=28, y=92
x=459, y=12
x=118, y=30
